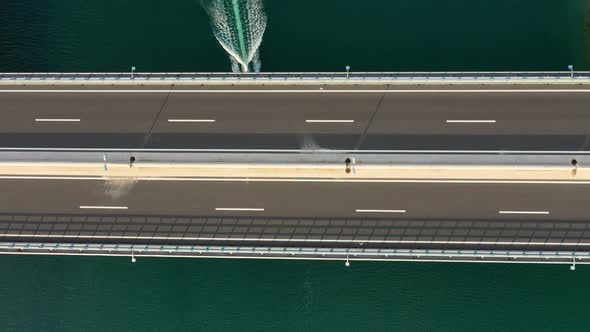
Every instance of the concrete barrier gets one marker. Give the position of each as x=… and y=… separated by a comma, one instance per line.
x=298, y=166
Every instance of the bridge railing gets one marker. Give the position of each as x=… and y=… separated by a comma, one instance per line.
x=292, y=157
x=135, y=250
x=500, y=75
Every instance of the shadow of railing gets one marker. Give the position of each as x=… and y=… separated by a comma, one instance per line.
x=301, y=232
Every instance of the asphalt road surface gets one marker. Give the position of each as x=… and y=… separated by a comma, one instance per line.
x=383, y=215
x=503, y=119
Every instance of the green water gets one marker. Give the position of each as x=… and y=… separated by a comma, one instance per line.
x=302, y=35
x=240, y=29
x=63, y=293
x=76, y=293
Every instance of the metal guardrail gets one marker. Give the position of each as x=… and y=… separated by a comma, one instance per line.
x=293, y=158
x=278, y=252
x=302, y=152
x=503, y=75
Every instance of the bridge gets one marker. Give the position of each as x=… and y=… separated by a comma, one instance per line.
x=297, y=77
x=466, y=171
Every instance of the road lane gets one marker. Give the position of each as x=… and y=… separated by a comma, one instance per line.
x=464, y=216
x=105, y=113
x=375, y=120
x=296, y=199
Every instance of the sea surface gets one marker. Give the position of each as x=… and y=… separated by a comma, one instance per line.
x=180, y=294
x=301, y=35
x=48, y=293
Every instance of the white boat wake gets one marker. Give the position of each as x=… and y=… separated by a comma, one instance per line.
x=239, y=26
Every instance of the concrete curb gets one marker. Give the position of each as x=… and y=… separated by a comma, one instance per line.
x=165, y=171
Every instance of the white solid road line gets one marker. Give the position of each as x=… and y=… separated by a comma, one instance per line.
x=471, y=121
x=502, y=152
x=523, y=212
x=239, y=209
x=329, y=121
x=99, y=207
x=191, y=120
x=325, y=180
x=306, y=91
x=57, y=120
x=379, y=211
